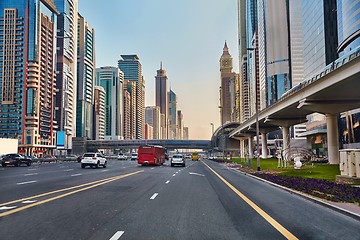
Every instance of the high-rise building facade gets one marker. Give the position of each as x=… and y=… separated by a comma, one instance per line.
x=152, y=117
x=234, y=88
x=186, y=133
x=112, y=79
x=85, y=79
x=131, y=67
x=27, y=79
x=180, y=125
x=172, y=114
x=99, y=113
x=225, y=74
x=130, y=102
x=66, y=84
x=161, y=94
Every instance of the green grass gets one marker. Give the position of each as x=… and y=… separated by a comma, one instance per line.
x=308, y=170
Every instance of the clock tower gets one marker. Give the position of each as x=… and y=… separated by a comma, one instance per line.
x=225, y=74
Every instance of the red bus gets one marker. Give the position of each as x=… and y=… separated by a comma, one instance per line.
x=151, y=155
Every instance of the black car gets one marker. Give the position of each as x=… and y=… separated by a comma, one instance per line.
x=15, y=159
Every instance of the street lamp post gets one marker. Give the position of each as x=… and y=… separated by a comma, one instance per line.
x=256, y=116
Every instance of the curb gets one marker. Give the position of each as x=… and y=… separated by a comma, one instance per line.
x=306, y=196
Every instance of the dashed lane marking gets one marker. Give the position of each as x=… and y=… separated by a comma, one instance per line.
x=75, y=175
x=117, y=235
x=7, y=208
x=31, y=174
x=22, y=183
x=154, y=196
x=167, y=182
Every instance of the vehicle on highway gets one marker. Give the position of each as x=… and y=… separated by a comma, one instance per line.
x=93, y=160
x=48, y=158
x=121, y=156
x=134, y=157
x=151, y=155
x=71, y=157
x=195, y=156
x=15, y=159
x=177, y=159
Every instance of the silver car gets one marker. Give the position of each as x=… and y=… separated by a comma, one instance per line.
x=177, y=159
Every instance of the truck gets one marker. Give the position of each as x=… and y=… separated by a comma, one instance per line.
x=151, y=155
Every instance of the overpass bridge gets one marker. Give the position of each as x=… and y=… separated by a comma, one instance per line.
x=81, y=145
x=333, y=90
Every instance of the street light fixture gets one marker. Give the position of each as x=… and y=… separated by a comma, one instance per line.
x=256, y=115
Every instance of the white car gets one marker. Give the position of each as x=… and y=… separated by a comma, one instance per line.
x=121, y=156
x=93, y=160
x=134, y=157
x=177, y=159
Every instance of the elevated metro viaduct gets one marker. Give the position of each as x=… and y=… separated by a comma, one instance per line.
x=333, y=90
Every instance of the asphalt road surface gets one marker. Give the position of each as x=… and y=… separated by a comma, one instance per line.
x=204, y=200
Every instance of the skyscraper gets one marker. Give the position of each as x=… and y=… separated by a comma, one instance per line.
x=130, y=90
x=85, y=79
x=152, y=117
x=27, y=80
x=180, y=126
x=161, y=93
x=66, y=84
x=112, y=79
x=225, y=74
x=172, y=114
x=131, y=67
x=99, y=113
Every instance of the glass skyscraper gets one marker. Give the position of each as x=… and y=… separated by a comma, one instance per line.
x=172, y=114
x=131, y=67
x=27, y=79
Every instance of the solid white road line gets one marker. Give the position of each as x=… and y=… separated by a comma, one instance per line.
x=117, y=235
x=154, y=196
x=22, y=183
x=74, y=175
x=31, y=174
x=167, y=182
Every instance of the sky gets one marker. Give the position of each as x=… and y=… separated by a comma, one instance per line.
x=187, y=36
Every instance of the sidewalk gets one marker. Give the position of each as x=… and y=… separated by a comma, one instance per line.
x=350, y=209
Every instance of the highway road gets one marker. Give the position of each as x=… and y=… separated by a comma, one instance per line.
x=204, y=200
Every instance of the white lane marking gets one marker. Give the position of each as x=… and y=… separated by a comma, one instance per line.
x=32, y=169
x=154, y=196
x=104, y=170
x=174, y=175
x=197, y=174
x=167, y=181
x=7, y=208
x=21, y=183
x=151, y=168
x=67, y=170
x=74, y=175
x=63, y=166
x=117, y=235
x=177, y=172
x=29, y=201
x=31, y=174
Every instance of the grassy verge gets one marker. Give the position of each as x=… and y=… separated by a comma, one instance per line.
x=309, y=170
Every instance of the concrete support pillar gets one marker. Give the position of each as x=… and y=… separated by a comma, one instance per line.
x=286, y=138
x=242, y=148
x=332, y=138
x=251, y=151
x=264, y=145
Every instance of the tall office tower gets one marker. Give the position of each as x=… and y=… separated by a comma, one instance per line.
x=162, y=126
x=85, y=79
x=252, y=55
x=186, y=133
x=132, y=69
x=348, y=14
x=152, y=117
x=161, y=94
x=320, y=39
x=225, y=74
x=244, y=86
x=127, y=109
x=149, y=130
x=27, y=80
x=172, y=114
x=66, y=53
x=112, y=79
x=180, y=126
x=277, y=49
x=296, y=52
x=263, y=91
x=234, y=89
x=131, y=89
x=99, y=113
